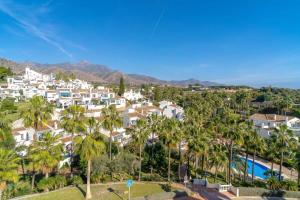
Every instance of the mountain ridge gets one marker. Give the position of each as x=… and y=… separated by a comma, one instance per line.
x=98, y=73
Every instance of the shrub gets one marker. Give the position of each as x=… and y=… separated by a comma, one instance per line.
x=43, y=184
x=76, y=180
x=273, y=183
x=289, y=185
x=152, y=177
x=60, y=181
x=166, y=187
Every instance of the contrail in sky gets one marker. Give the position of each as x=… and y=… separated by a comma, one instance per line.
x=158, y=22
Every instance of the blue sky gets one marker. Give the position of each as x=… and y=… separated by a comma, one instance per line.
x=254, y=42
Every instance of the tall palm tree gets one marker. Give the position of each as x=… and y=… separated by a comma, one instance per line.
x=297, y=163
x=232, y=136
x=111, y=121
x=217, y=157
x=37, y=113
x=140, y=133
x=73, y=122
x=33, y=163
x=48, y=152
x=257, y=146
x=271, y=152
x=154, y=124
x=8, y=167
x=169, y=137
x=247, y=130
x=285, y=141
x=89, y=145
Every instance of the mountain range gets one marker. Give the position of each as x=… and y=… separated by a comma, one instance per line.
x=97, y=73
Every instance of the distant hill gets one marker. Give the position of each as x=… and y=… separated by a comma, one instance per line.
x=97, y=73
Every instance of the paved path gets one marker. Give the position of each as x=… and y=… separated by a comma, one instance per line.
x=212, y=194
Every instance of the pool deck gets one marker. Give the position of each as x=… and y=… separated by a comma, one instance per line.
x=287, y=173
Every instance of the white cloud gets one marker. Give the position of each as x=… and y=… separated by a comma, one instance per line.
x=28, y=20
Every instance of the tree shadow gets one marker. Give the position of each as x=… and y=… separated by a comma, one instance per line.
x=115, y=192
x=274, y=193
x=81, y=190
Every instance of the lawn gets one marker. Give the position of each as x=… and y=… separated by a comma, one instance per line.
x=106, y=192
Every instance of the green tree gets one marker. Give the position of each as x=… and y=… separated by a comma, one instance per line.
x=111, y=121
x=48, y=152
x=285, y=141
x=168, y=135
x=4, y=73
x=37, y=113
x=121, y=86
x=8, y=167
x=257, y=146
x=73, y=122
x=232, y=135
x=89, y=147
x=140, y=133
x=271, y=152
x=6, y=139
x=154, y=121
x=217, y=157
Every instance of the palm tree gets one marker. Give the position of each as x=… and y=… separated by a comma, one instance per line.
x=285, y=141
x=140, y=133
x=271, y=152
x=258, y=145
x=88, y=145
x=37, y=113
x=169, y=137
x=73, y=122
x=111, y=121
x=8, y=167
x=217, y=157
x=33, y=163
x=297, y=163
x=154, y=124
x=48, y=152
x=232, y=136
x=6, y=138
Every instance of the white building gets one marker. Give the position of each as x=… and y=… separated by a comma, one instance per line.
x=132, y=95
x=171, y=110
x=265, y=123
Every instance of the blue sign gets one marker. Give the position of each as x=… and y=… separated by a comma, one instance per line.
x=129, y=183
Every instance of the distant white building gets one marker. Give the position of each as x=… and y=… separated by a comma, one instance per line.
x=31, y=75
x=266, y=123
x=171, y=110
x=132, y=95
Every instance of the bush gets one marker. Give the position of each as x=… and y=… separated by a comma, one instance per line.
x=44, y=184
x=153, y=177
x=289, y=185
x=76, y=180
x=247, y=191
x=51, y=183
x=166, y=187
x=60, y=181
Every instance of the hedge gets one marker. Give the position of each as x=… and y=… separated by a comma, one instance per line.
x=250, y=191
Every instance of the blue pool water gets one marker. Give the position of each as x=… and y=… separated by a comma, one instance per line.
x=259, y=169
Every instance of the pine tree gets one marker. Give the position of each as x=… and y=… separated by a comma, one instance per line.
x=121, y=86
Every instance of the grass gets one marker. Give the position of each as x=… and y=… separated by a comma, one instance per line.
x=107, y=192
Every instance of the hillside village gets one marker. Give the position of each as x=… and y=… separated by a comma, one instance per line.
x=131, y=107
x=63, y=94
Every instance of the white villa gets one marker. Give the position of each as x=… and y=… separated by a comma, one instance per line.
x=170, y=110
x=265, y=123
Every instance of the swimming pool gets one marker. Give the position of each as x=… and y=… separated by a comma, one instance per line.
x=259, y=169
